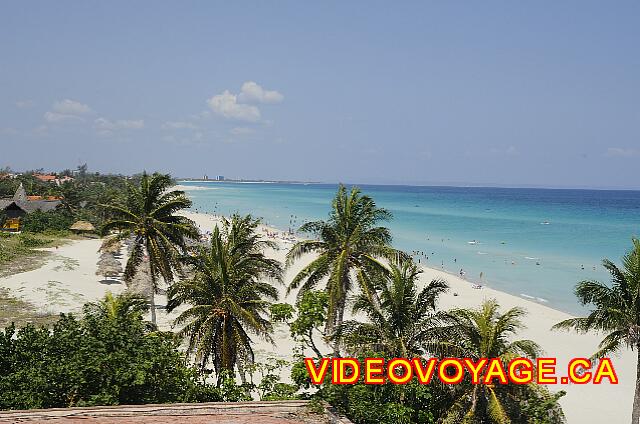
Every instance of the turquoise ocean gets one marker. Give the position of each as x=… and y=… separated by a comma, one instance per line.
x=534, y=243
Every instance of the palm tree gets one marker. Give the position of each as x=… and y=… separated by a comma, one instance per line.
x=616, y=312
x=148, y=214
x=123, y=307
x=485, y=333
x=348, y=246
x=397, y=327
x=226, y=296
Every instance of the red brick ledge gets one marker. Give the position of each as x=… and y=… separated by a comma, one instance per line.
x=268, y=412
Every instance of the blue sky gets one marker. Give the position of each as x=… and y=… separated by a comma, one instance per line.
x=545, y=93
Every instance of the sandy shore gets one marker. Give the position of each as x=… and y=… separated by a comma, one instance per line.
x=68, y=280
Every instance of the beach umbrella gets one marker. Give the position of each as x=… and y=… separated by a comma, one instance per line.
x=108, y=266
x=111, y=246
x=141, y=281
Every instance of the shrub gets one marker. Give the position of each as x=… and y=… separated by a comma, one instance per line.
x=39, y=222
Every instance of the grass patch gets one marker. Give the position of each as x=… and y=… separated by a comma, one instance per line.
x=21, y=252
x=21, y=312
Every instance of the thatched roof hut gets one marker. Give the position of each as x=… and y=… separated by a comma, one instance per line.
x=108, y=266
x=82, y=226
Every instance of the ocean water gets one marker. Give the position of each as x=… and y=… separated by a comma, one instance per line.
x=535, y=243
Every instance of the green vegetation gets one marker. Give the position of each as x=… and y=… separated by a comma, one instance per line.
x=106, y=357
x=81, y=197
x=486, y=333
x=348, y=247
x=397, y=327
x=224, y=293
x=19, y=252
x=227, y=297
x=403, y=321
x=56, y=221
x=147, y=216
x=615, y=313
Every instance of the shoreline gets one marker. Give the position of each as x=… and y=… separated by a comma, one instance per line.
x=67, y=280
x=509, y=261
x=587, y=403
x=199, y=217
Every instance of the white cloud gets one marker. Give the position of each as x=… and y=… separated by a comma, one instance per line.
x=71, y=107
x=59, y=117
x=621, y=152
x=241, y=107
x=24, y=104
x=226, y=104
x=104, y=124
x=66, y=110
x=178, y=125
x=251, y=92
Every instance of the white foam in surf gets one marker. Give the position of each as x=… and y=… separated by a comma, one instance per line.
x=537, y=299
x=193, y=188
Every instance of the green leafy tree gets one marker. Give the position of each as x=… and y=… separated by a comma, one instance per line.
x=107, y=357
x=312, y=314
x=281, y=312
x=126, y=307
x=372, y=403
x=51, y=221
x=227, y=296
x=148, y=215
x=615, y=313
x=348, y=247
x=397, y=326
x=486, y=333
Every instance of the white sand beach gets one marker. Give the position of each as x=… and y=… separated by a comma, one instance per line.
x=68, y=280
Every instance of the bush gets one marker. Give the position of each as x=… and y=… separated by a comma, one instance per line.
x=30, y=241
x=95, y=360
x=40, y=222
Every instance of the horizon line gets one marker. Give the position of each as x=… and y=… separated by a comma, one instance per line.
x=438, y=184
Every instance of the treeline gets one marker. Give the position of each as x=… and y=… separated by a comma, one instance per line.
x=82, y=197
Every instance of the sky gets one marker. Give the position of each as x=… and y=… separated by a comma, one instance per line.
x=543, y=93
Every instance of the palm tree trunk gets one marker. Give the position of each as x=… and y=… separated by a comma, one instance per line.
x=635, y=416
x=339, y=320
x=152, y=295
x=241, y=371
x=152, y=305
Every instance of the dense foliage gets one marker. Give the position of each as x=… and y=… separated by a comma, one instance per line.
x=106, y=357
x=348, y=247
x=228, y=301
x=81, y=197
x=147, y=215
x=47, y=222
